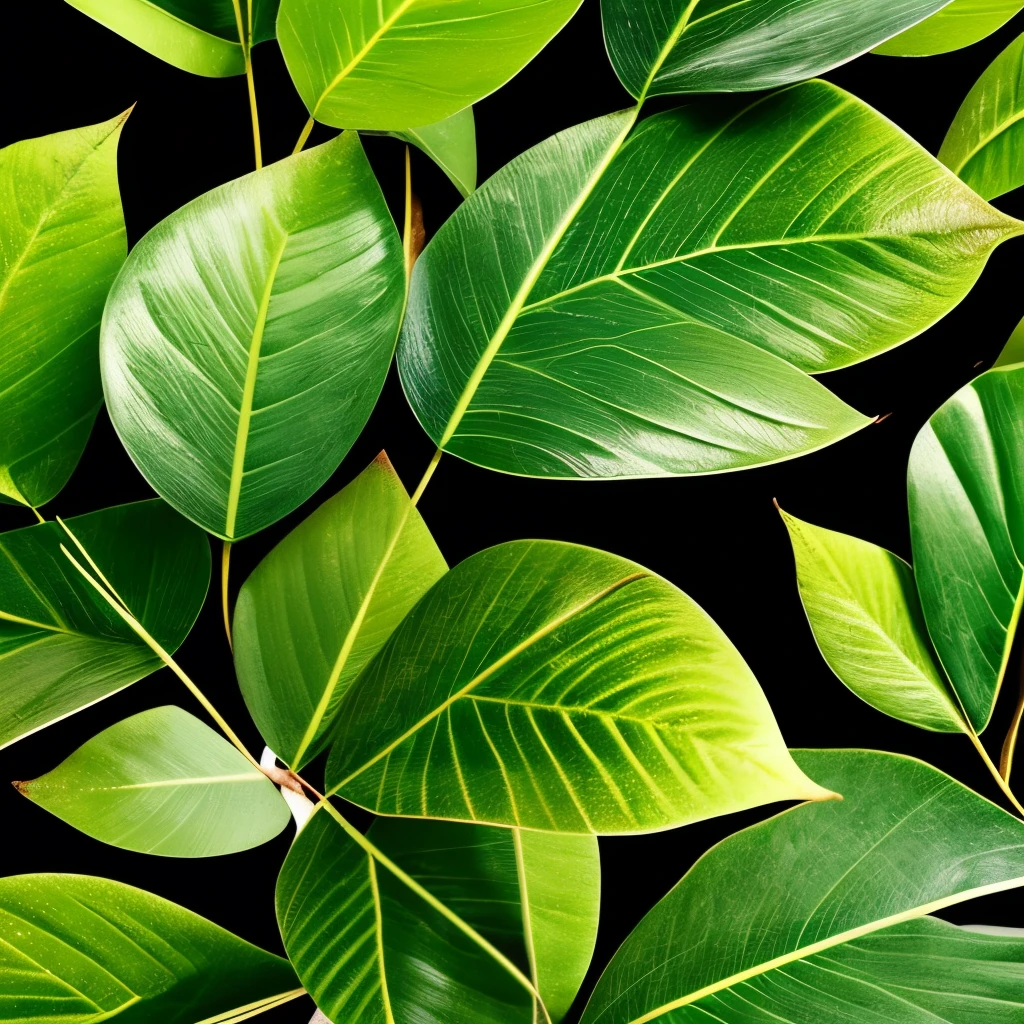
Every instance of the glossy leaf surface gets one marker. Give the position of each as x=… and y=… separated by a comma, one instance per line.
x=62, y=242
x=661, y=47
x=535, y=895
x=659, y=310
x=865, y=613
x=401, y=63
x=960, y=24
x=985, y=143
x=451, y=144
x=78, y=950
x=368, y=946
x=758, y=925
x=248, y=336
x=558, y=687
x=61, y=646
x=201, y=36
x=163, y=782
x=966, y=489
x=323, y=602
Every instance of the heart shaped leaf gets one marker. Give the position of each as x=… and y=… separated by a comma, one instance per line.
x=557, y=687
x=785, y=919
x=658, y=310
x=61, y=646
x=451, y=144
x=249, y=334
x=62, y=242
x=960, y=24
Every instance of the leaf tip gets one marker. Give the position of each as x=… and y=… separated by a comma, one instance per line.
x=383, y=462
x=880, y=419
x=21, y=787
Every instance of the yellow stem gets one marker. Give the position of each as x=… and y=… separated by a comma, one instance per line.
x=426, y=477
x=1000, y=781
x=303, y=136
x=38, y=516
x=245, y=40
x=225, y=572
x=407, y=227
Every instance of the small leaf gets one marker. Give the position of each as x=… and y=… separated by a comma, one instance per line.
x=163, y=782
x=960, y=24
x=61, y=646
x=557, y=687
x=78, y=950
x=249, y=334
x=1013, y=350
x=62, y=242
x=322, y=604
x=451, y=144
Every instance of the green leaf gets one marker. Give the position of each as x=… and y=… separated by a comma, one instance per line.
x=62, y=241
x=557, y=687
x=451, y=144
x=534, y=895
x=249, y=334
x=369, y=943
x=662, y=47
x=966, y=484
x=863, y=607
x=960, y=24
x=62, y=647
x=390, y=64
x=658, y=310
x=757, y=927
x=78, y=950
x=201, y=36
x=323, y=602
x=984, y=143
x=1013, y=350
x=163, y=782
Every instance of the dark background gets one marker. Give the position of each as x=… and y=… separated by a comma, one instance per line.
x=718, y=537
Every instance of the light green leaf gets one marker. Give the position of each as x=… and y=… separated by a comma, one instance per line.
x=784, y=920
x=78, y=950
x=451, y=144
x=960, y=24
x=966, y=489
x=62, y=241
x=390, y=64
x=249, y=334
x=661, y=47
x=163, y=782
x=323, y=602
x=659, y=309
x=201, y=36
x=534, y=895
x=1013, y=350
x=557, y=687
x=862, y=604
x=62, y=647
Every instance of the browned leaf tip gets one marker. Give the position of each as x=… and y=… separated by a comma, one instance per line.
x=882, y=419
x=21, y=787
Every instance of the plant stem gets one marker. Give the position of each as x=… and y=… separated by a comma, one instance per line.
x=245, y=39
x=304, y=135
x=407, y=242
x=225, y=572
x=1010, y=743
x=1000, y=781
x=426, y=477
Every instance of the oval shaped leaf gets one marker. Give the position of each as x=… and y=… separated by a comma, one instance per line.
x=248, y=336
x=657, y=311
x=557, y=687
x=764, y=915
x=864, y=611
x=966, y=481
x=323, y=602
x=451, y=144
x=61, y=646
x=662, y=47
x=78, y=950
x=163, y=782
x=960, y=24
x=402, y=63
x=62, y=242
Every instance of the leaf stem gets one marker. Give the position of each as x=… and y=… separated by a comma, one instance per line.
x=303, y=136
x=245, y=39
x=1000, y=781
x=38, y=516
x=1010, y=743
x=225, y=573
x=426, y=477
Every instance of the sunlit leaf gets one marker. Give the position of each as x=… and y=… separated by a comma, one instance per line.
x=451, y=144
x=960, y=24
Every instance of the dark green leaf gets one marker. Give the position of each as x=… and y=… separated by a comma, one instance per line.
x=960, y=24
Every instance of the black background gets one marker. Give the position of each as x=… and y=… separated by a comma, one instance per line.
x=718, y=537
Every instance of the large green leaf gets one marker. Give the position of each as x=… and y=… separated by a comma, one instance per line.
x=781, y=918
x=163, y=782
x=451, y=144
x=62, y=241
x=391, y=64
x=661, y=47
x=77, y=950
x=966, y=487
x=659, y=308
x=985, y=143
x=201, y=36
x=323, y=602
x=557, y=687
x=864, y=611
x=960, y=24
x=61, y=646
x=534, y=895
x=248, y=336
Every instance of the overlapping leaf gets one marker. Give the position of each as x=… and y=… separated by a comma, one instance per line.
x=248, y=336
x=62, y=242
x=960, y=24
x=61, y=646
x=451, y=144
